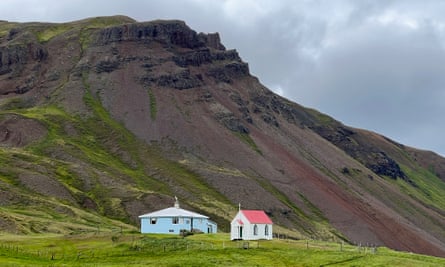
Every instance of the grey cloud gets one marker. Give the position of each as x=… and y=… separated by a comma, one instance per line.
x=384, y=79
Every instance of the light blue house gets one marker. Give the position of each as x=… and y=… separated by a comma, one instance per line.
x=174, y=219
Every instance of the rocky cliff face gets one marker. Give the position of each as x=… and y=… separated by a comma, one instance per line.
x=122, y=115
x=20, y=53
x=195, y=50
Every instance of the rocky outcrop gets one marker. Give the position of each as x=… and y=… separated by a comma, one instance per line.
x=212, y=40
x=228, y=118
x=380, y=163
x=205, y=56
x=13, y=58
x=269, y=106
x=21, y=57
x=194, y=58
x=181, y=79
x=232, y=123
x=227, y=72
x=169, y=33
x=189, y=50
x=373, y=158
x=108, y=65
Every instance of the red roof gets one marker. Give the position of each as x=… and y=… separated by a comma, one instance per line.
x=256, y=216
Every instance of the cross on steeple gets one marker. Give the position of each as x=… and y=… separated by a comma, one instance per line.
x=176, y=203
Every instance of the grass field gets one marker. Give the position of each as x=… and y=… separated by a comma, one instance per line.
x=132, y=249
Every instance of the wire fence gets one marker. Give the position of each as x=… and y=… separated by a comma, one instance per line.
x=156, y=246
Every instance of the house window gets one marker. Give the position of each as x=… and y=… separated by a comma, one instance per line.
x=255, y=230
x=266, y=230
x=175, y=220
x=152, y=220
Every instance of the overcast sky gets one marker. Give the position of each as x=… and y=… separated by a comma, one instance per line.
x=377, y=65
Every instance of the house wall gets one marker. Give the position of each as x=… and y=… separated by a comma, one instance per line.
x=261, y=233
x=165, y=225
x=212, y=227
x=235, y=226
x=234, y=231
x=248, y=232
x=248, y=229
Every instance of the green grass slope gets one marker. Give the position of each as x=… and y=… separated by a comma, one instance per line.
x=88, y=172
x=124, y=249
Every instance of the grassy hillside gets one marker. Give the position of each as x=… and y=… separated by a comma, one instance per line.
x=123, y=249
x=95, y=169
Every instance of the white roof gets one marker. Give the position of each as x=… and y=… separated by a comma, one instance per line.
x=174, y=212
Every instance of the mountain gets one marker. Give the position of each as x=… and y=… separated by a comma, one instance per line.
x=106, y=118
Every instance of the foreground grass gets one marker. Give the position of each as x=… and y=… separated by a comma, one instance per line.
x=116, y=249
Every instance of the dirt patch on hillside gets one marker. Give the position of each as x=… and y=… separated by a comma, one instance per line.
x=146, y=204
x=7, y=223
x=18, y=131
x=45, y=186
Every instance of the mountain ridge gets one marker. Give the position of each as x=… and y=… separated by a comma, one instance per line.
x=126, y=114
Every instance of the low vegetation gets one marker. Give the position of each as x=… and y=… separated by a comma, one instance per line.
x=245, y=138
x=133, y=249
x=153, y=108
x=118, y=169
